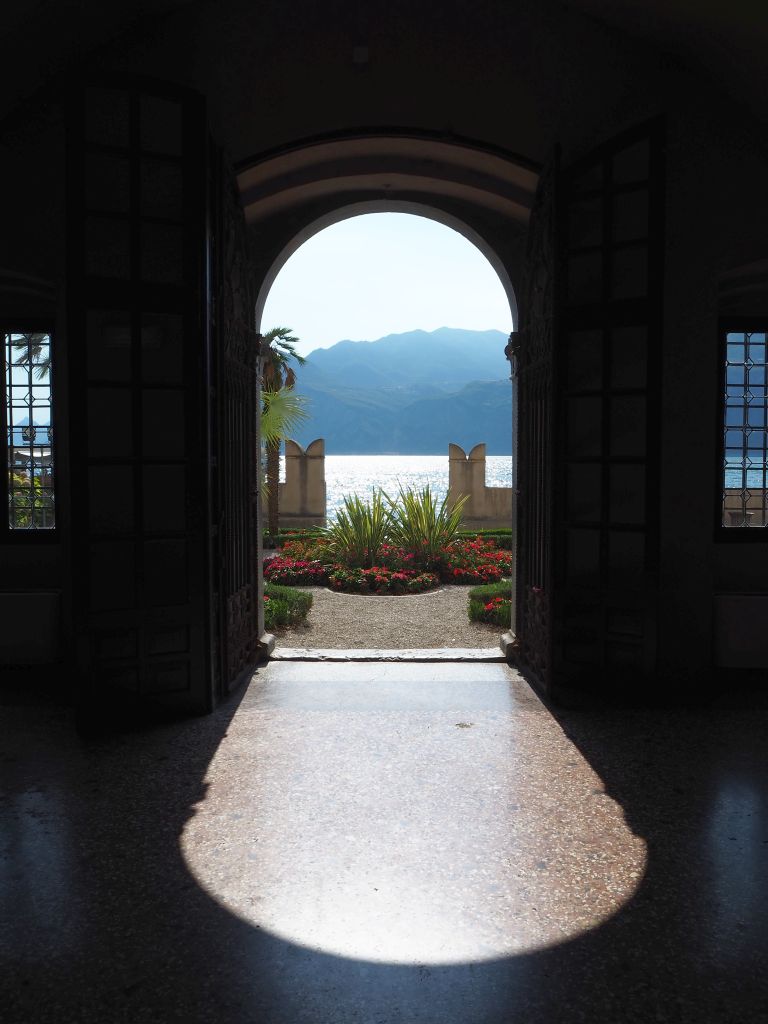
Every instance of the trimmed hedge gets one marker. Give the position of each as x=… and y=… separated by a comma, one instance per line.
x=491, y=603
x=271, y=542
x=501, y=538
x=284, y=606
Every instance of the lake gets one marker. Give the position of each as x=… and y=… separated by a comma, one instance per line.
x=359, y=474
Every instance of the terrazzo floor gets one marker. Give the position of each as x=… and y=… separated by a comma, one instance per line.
x=383, y=843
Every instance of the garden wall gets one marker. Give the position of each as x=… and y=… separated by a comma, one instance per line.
x=302, y=497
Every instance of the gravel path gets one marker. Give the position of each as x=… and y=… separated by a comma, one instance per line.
x=437, y=618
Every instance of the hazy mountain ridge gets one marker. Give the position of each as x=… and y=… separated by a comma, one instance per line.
x=409, y=393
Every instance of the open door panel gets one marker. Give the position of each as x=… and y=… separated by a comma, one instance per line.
x=138, y=376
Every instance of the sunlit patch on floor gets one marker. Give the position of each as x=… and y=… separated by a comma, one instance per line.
x=393, y=836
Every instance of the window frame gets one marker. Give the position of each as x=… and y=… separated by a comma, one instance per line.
x=722, y=533
x=29, y=325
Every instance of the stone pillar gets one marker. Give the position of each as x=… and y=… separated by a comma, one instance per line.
x=487, y=507
x=466, y=475
x=302, y=496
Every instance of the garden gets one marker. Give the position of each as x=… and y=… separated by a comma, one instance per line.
x=409, y=544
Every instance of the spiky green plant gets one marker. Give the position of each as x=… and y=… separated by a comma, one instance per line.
x=419, y=523
x=360, y=529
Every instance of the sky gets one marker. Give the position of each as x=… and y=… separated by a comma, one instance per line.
x=384, y=273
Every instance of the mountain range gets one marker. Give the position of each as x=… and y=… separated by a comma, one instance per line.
x=409, y=394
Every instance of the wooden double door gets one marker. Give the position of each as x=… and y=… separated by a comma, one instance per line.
x=162, y=370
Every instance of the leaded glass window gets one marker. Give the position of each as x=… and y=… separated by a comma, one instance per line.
x=27, y=408
x=745, y=430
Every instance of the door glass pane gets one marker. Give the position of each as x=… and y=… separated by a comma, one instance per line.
x=629, y=356
x=162, y=190
x=585, y=359
x=584, y=493
x=162, y=349
x=110, y=499
x=108, y=248
x=585, y=222
x=584, y=426
x=627, y=418
x=161, y=125
x=588, y=180
x=107, y=183
x=108, y=343
x=107, y=117
x=110, y=423
x=627, y=494
x=631, y=164
x=629, y=272
x=583, y=553
x=630, y=216
x=626, y=551
x=165, y=494
x=162, y=253
x=163, y=423
x=585, y=277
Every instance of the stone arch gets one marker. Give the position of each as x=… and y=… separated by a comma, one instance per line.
x=482, y=192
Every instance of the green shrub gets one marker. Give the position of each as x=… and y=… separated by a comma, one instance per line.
x=359, y=530
x=284, y=606
x=421, y=525
x=492, y=603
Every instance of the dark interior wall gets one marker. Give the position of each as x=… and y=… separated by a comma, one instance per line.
x=33, y=576
x=32, y=199
x=515, y=75
x=717, y=207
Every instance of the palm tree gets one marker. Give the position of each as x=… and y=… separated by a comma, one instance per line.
x=279, y=375
x=30, y=348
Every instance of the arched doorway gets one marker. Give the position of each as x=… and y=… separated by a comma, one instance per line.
x=290, y=196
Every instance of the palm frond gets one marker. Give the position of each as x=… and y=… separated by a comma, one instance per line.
x=30, y=348
x=282, y=411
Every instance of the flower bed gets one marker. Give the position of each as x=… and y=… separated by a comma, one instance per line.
x=308, y=561
x=295, y=572
x=380, y=580
x=475, y=561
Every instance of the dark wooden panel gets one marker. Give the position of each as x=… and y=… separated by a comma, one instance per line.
x=137, y=293
x=606, y=426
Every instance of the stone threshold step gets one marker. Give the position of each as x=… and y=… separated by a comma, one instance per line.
x=427, y=654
